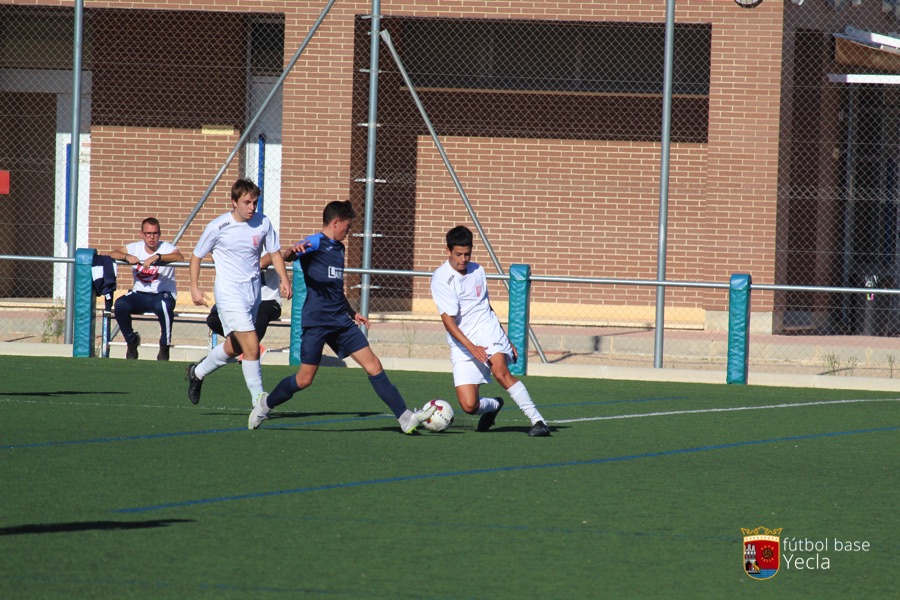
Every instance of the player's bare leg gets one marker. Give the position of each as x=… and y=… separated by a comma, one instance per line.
x=517, y=391
x=468, y=397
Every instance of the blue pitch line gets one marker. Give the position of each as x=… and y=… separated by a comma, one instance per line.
x=576, y=463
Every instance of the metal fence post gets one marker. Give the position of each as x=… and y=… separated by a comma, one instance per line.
x=85, y=304
x=519, y=302
x=738, y=328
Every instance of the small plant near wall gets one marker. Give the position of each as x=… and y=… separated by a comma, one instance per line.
x=53, y=323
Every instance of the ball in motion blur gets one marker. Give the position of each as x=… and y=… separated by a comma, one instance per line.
x=442, y=418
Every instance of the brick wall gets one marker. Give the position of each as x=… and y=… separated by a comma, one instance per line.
x=722, y=193
x=163, y=173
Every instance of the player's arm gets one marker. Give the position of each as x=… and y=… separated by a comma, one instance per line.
x=515, y=355
x=308, y=244
x=173, y=255
x=284, y=285
x=197, y=296
x=357, y=318
x=122, y=254
x=479, y=352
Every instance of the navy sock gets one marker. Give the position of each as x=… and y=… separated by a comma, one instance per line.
x=388, y=393
x=286, y=388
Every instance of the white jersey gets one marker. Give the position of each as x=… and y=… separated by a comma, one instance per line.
x=156, y=278
x=236, y=248
x=270, y=283
x=465, y=298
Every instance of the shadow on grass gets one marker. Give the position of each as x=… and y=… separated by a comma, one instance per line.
x=298, y=415
x=33, y=528
x=62, y=393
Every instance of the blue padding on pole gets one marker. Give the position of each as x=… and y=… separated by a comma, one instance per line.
x=85, y=304
x=297, y=300
x=519, y=304
x=738, y=328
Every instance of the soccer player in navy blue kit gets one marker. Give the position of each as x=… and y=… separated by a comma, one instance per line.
x=329, y=319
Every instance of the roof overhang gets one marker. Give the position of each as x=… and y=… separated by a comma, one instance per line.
x=865, y=50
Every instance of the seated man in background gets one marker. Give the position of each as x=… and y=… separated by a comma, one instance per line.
x=154, y=287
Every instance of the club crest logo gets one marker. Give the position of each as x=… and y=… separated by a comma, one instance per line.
x=256, y=239
x=762, y=552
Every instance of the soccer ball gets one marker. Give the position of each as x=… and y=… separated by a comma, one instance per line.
x=442, y=418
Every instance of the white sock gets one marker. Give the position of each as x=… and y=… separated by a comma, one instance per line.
x=215, y=359
x=253, y=378
x=487, y=405
x=521, y=397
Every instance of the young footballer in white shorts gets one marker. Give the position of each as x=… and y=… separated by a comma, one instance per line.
x=236, y=241
x=479, y=347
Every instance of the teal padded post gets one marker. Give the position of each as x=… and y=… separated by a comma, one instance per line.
x=738, y=328
x=297, y=300
x=519, y=304
x=85, y=304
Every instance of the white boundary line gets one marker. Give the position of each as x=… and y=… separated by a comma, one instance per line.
x=712, y=410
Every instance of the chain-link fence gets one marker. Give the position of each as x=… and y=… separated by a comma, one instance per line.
x=784, y=157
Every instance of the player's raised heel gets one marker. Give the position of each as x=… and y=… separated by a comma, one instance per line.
x=539, y=429
x=410, y=420
x=487, y=419
x=194, y=384
x=259, y=413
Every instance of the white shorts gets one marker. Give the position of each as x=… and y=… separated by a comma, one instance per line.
x=238, y=320
x=468, y=371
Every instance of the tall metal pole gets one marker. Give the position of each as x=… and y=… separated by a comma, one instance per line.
x=74, y=152
x=248, y=128
x=449, y=166
x=662, y=235
x=371, y=148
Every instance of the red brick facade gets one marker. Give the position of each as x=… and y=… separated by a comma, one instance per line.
x=584, y=208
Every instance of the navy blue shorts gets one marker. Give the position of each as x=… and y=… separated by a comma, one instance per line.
x=344, y=341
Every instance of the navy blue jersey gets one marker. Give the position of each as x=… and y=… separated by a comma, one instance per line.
x=323, y=271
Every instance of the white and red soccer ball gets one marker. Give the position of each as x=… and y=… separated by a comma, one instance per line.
x=442, y=418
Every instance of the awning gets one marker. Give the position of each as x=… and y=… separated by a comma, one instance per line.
x=867, y=50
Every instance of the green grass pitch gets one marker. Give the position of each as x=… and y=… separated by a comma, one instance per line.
x=115, y=486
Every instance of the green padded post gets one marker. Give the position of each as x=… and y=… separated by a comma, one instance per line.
x=738, y=328
x=297, y=300
x=85, y=304
x=519, y=304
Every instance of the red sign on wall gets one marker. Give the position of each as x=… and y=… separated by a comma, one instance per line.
x=4, y=182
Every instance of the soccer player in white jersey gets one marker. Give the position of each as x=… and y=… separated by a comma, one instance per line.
x=236, y=240
x=479, y=347
x=270, y=301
